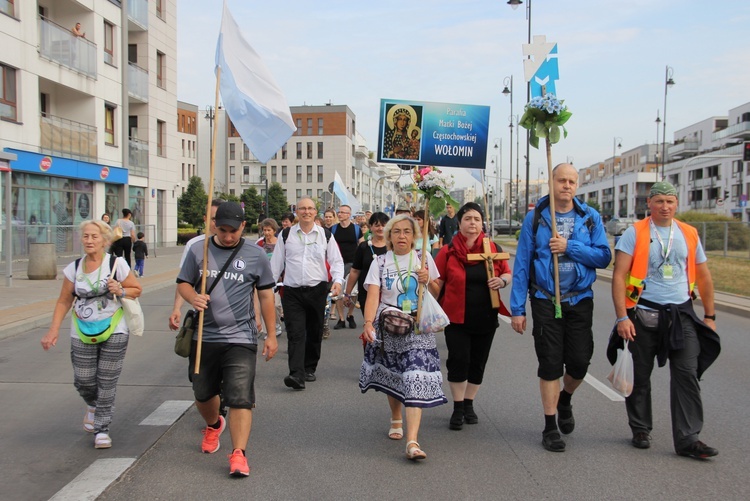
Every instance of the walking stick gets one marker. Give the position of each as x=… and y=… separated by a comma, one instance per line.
x=553, y=220
x=199, y=343
x=425, y=250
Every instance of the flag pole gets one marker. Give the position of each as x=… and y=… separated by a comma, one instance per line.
x=196, y=370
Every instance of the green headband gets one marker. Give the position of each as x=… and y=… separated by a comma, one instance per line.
x=662, y=188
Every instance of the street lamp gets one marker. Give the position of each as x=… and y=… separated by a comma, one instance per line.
x=616, y=143
x=498, y=173
x=508, y=91
x=668, y=82
x=658, y=122
x=514, y=4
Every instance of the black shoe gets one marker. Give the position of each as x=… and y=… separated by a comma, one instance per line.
x=457, y=420
x=310, y=376
x=566, y=424
x=470, y=417
x=352, y=323
x=552, y=441
x=641, y=440
x=339, y=325
x=698, y=450
x=294, y=383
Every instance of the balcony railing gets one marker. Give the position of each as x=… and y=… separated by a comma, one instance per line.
x=137, y=83
x=138, y=157
x=684, y=148
x=62, y=46
x=67, y=138
x=138, y=12
x=740, y=130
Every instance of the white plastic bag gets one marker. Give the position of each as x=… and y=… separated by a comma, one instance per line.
x=133, y=315
x=621, y=376
x=433, y=319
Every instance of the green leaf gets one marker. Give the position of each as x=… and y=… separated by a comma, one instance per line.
x=534, y=139
x=540, y=130
x=554, y=134
x=565, y=131
x=437, y=205
x=563, y=117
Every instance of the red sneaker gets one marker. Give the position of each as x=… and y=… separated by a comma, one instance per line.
x=211, y=436
x=238, y=464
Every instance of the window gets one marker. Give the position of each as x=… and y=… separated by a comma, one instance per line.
x=160, y=8
x=245, y=173
x=232, y=147
x=299, y=194
x=309, y=193
x=309, y=126
x=320, y=126
x=320, y=173
x=109, y=124
x=283, y=173
x=299, y=174
x=231, y=191
x=161, y=138
x=309, y=173
x=7, y=7
x=231, y=173
x=160, y=70
x=320, y=194
x=109, y=43
x=309, y=150
x=283, y=152
x=8, y=92
x=245, y=152
x=273, y=173
x=320, y=149
x=299, y=151
x=263, y=172
x=183, y=171
x=299, y=126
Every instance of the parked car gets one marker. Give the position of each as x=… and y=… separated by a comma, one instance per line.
x=502, y=227
x=617, y=227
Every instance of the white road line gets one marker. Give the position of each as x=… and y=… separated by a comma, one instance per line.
x=604, y=389
x=167, y=413
x=93, y=480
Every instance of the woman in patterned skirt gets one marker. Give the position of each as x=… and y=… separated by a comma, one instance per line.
x=405, y=367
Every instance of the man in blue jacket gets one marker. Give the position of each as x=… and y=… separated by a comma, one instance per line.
x=563, y=345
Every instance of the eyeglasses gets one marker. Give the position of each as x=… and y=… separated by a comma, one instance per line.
x=305, y=209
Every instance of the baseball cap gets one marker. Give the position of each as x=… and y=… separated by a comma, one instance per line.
x=662, y=188
x=230, y=214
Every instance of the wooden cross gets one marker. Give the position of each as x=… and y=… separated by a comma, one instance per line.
x=489, y=258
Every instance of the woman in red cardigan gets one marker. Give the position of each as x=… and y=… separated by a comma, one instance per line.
x=466, y=300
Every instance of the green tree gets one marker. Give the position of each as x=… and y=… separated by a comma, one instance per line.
x=252, y=201
x=227, y=197
x=277, y=202
x=191, y=205
x=591, y=203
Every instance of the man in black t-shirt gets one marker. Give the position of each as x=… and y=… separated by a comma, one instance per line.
x=448, y=226
x=348, y=236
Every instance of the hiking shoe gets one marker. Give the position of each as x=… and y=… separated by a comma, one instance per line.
x=339, y=325
x=470, y=416
x=294, y=383
x=352, y=323
x=698, y=450
x=102, y=441
x=238, y=464
x=211, y=442
x=310, y=376
x=457, y=420
x=552, y=441
x=566, y=424
x=641, y=440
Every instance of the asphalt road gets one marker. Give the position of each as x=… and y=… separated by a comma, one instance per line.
x=329, y=441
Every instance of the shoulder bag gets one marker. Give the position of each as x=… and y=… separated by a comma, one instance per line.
x=184, y=340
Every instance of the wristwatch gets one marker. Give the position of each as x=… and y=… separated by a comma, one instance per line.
x=505, y=282
x=710, y=317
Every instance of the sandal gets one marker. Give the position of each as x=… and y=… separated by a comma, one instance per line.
x=102, y=441
x=88, y=419
x=415, y=452
x=396, y=433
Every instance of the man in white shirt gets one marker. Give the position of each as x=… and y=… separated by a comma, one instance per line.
x=300, y=255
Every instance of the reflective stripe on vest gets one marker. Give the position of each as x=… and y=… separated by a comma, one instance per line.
x=639, y=265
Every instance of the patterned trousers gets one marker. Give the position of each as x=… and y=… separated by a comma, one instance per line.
x=96, y=369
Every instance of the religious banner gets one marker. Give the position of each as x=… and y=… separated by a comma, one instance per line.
x=426, y=133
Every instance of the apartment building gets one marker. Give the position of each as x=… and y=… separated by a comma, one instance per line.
x=187, y=138
x=87, y=106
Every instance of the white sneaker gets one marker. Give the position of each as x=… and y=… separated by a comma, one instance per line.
x=88, y=419
x=102, y=441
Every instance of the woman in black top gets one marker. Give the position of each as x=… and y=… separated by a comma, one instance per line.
x=364, y=256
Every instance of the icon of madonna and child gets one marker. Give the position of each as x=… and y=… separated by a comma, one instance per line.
x=403, y=134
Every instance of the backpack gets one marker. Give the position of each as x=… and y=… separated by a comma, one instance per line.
x=285, y=234
x=112, y=259
x=357, y=230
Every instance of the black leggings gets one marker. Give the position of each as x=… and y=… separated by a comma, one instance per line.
x=122, y=248
x=468, y=351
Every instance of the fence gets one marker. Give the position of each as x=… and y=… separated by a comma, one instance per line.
x=726, y=239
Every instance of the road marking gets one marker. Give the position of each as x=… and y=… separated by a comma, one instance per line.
x=606, y=390
x=93, y=480
x=167, y=413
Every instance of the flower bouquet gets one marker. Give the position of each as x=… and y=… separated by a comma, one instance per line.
x=544, y=117
x=435, y=186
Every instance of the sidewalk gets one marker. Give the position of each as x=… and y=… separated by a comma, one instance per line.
x=29, y=304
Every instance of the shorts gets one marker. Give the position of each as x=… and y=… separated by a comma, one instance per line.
x=563, y=345
x=227, y=369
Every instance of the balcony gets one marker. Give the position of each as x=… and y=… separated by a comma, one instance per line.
x=138, y=157
x=683, y=149
x=137, y=15
x=737, y=131
x=137, y=84
x=58, y=44
x=66, y=138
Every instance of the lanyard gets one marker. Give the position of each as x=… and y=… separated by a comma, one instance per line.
x=668, y=249
x=98, y=276
x=405, y=283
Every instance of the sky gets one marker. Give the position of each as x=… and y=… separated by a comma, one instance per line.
x=612, y=61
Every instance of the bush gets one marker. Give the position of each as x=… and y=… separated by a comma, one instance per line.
x=184, y=236
x=714, y=226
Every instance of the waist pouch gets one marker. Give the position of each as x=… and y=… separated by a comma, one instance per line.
x=96, y=331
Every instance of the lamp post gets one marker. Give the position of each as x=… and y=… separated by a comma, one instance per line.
x=658, y=122
x=668, y=82
x=616, y=143
x=514, y=5
x=210, y=115
x=498, y=172
x=508, y=91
